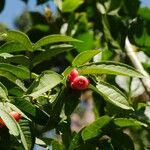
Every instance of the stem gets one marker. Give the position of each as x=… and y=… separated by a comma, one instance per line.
x=137, y=64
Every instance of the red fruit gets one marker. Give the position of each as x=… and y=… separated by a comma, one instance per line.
x=2, y=123
x=15, y=115
x=80, y=83
x=72, y=75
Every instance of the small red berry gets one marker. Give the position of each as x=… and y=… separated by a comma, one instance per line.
x=80, y=83
x=15, y=115
x=2, y=123
x=72, y=75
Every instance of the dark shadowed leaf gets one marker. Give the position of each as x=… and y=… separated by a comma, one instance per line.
x=121, y=141
x=52, y=52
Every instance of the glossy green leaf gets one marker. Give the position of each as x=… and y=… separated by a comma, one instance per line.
x=10, y=122
x=25, y=134
x=96, y=128
x=20, y=72
x=14, y=108
x=84, y=57
x=17, y=59
x=17, y=36
x=33, y=112
x=107, y=67
x=112, y=95
x=3, y=92
x=25, y=106
x=13, y=79
x=45, y=82
x=128, y=122
x=48, y=54
x=51, y=39
x=11, y=47
x=69, y=5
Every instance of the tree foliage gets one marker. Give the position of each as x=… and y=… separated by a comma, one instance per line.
x=90, y=36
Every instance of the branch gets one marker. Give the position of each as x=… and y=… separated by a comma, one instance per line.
x=137, y=64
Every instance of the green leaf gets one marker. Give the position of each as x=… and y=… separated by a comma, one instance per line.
x=144, y=12
x=139, y=33
x=45, y=82
x=57, y=146
x=96, y=128
x=33, y=112
x=17, y=36
x=128, y=122
x=76, y=142
x=11, y=47
x=10, y=122
x=121, y=141
x=3, y=92
x=51, y=39
x=87, y=40
x=106, y=144
x=109, y=67
x=13, y=79
x=25, y=134
x=112, y=95
x=72, y=100
x=14, y=108
x=16, y=59
x=20, y=72
x=69, y=5
x=48, y=54
x=84, y=57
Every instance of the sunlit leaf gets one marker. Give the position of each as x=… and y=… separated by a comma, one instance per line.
x=112, y=95
x=69, y=5
x=107, y=67
x=46, y=81
x=51, y=39
x=84, y=57
x=17, y=36
x=96, y=128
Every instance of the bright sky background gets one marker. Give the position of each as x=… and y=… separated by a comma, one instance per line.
x=14, y=7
